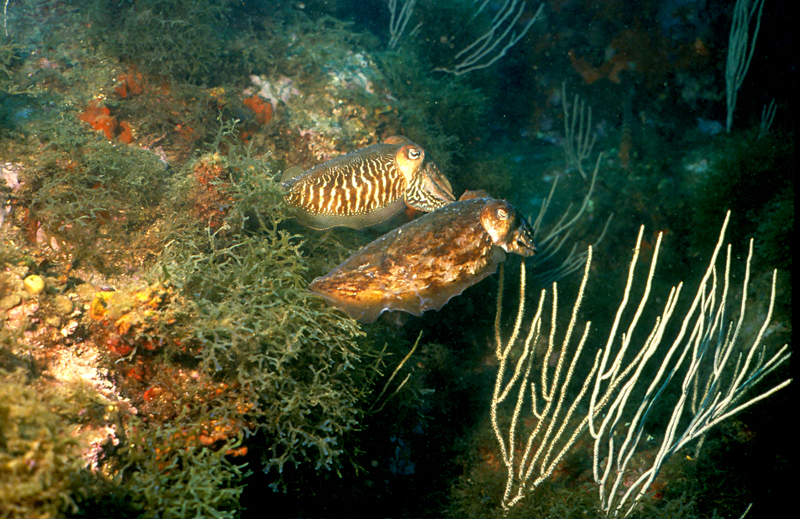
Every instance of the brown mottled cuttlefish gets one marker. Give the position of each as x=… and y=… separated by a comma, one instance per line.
x=423, y=264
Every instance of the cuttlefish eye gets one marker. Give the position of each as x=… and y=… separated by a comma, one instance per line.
x=502, y=214
x=413, y=153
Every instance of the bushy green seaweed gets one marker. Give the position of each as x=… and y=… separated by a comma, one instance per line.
x=247, y=315
x=88, y=193
x=196, y=42
x=180, y=40
x=39, y=456
x=160, y=471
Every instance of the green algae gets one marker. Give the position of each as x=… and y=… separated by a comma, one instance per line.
x=247, y=316
x=159, y=472
x=240, y=316
x=88, y=196
x=179, y=40
x=200, y=42
x=40, y=455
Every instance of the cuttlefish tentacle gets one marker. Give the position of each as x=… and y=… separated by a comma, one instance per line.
x=429, y=190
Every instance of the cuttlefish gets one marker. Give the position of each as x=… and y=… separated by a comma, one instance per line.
x=367, y=186
x=423, y=264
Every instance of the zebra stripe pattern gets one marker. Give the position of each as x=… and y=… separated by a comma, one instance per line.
x=362, y=186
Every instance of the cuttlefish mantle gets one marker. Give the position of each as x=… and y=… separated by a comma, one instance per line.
x=423, y=264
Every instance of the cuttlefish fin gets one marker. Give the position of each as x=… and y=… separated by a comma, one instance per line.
x=396, y=139
x=364, y=307
x=477, y=193
x=367, y=304
x=323, y=221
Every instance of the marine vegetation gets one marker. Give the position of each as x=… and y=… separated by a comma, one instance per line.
x=164, y=468
x=181, y=41
x=292, y=363
x=290, y=360
x=80, y=195
x=42, y=464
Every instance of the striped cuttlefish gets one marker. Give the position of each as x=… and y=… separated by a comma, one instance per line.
x=367, y=186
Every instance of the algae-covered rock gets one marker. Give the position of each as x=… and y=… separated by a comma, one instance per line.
x=39, y=457
x=172, y=476
x=248, y=318
x=290, y=366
